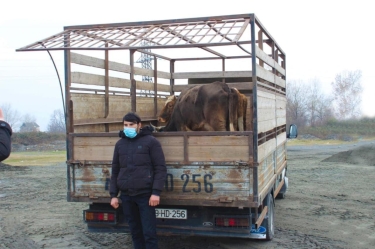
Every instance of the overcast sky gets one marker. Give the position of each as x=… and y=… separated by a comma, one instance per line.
x=320, y=39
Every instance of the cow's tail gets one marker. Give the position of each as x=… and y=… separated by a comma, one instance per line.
x=233, y=109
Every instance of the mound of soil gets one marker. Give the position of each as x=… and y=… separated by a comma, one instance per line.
x=363, y=155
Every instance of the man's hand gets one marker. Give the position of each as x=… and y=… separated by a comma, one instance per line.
x=114, y=202
x=154, y=200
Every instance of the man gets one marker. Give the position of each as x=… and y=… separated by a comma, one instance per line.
x=5, y=134
x=139, y=172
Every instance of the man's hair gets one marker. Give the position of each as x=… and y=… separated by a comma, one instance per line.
x=132, y=117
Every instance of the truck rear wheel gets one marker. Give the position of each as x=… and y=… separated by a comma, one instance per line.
x=268, y=222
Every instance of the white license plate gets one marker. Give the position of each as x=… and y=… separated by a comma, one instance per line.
x=171, y=213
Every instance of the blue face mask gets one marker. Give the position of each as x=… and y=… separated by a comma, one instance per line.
x=130, y=132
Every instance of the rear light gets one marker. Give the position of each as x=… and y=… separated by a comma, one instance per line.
x=99, y=216
x=232, y=222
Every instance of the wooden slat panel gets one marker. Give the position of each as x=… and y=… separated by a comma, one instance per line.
x=265, y=94
x=99, y=80
x=85, y=60
x=267, y=59
x=266, y=114
x=280, y=82
x=264, y=126
x=94, y=148
x=280, y=121
x=266, y=170
x=240, y=86
x=281, y=138
x=216, y=148
x=227, y=74
x=266, y=148
x=173, y=148
x=269, y=76
x=91, y=107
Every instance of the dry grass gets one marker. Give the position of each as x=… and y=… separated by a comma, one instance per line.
x=35, y=158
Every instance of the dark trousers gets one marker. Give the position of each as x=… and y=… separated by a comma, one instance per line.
x=141, y=219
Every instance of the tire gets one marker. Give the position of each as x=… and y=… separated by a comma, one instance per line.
x=268, y=221
x=280, y=196
x=284, y=188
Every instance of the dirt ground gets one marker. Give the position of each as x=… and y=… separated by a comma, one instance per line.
x=330, y=204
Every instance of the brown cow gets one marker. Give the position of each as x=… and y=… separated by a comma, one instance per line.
x=240, y=122
x=210, y=107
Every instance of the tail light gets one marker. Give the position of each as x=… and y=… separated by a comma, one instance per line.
x=239, y=222
x=91, y=216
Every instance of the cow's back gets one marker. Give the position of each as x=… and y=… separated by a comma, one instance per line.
x=203, y=107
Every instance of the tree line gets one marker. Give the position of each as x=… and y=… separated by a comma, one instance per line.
x=27, y=123
x=308, y=105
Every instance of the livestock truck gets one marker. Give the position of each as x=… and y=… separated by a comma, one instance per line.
x=219, y=183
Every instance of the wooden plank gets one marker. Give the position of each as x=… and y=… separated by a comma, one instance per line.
x=266, y=114
x=245, y=86
x=264, y=94
x=94, y=148
x=264, y=126
x=90, y=61
x=173, y=148
x=207, y=148
x=91, y=106
x=265, y=149
x=280, y=82
x=267, y=59
x=265, y=74
x=95, y=141
x=269, y=76
x=227, y=74
x=99, y=80
x=280, y=121
x=281, y=138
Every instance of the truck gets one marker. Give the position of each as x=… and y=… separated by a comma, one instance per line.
x=219, y=183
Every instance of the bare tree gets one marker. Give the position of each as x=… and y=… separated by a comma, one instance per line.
x=318, y=109
x=323, y=110
x=347, y=91
x=296, y=103
x=57, y=122
x=12, y=116
x=27, y=118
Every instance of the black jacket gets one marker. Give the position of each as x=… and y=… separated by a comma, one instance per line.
x=138, y=165
x=5, y=142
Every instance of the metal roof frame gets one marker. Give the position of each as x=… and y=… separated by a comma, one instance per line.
x=204, y=33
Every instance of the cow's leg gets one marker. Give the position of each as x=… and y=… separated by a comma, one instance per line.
x=233, y=109
x=240, y=124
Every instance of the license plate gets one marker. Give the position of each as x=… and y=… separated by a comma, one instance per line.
x=171, y=213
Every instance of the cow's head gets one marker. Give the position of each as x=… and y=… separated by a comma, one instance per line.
x=166, y=112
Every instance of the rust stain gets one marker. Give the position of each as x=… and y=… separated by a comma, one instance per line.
x=206, y=167
x=88, y=174
x=105, y=172
x=234, y=174
x=187, y=172
x=212, y=173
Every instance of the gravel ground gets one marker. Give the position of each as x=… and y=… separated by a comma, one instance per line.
x=330, y=204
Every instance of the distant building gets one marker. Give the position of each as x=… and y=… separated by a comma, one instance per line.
x=29, y=127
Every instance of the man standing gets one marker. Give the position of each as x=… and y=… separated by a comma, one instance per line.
x=5, y=134
x=139, y=172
